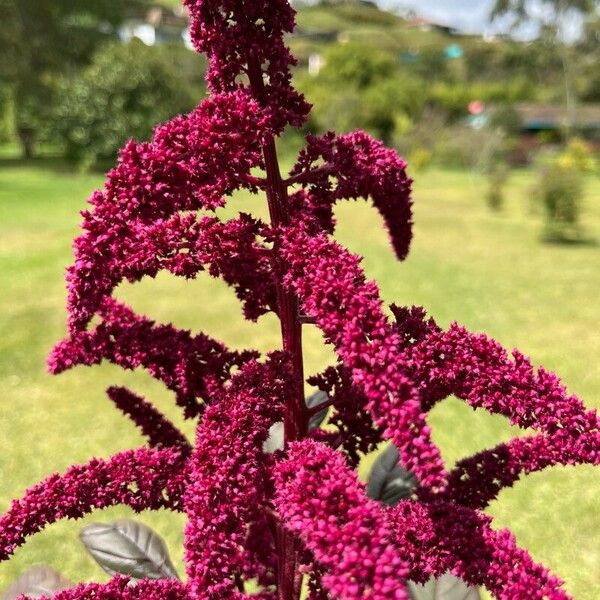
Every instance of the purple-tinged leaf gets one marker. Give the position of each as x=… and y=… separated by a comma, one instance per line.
x=38, y=581
x=129, y=548
x=389, y=481
x=446, y=587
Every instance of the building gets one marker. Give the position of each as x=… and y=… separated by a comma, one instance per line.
x=157, y=25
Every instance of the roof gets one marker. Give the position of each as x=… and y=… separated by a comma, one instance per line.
x=551, y=116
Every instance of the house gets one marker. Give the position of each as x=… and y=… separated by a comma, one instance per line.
x=156, y=25
x=536, y=118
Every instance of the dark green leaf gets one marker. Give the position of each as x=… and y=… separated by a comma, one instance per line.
x=312, y=401
x=446, y=587
x=37, y=582
x=129, y=548
x=389, y=481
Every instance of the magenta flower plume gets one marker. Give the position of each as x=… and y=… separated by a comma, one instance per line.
x=355, y=432
x=320, y=499
x=151, y=422
x=194, y=367
x=347, y=308
x=119, y=589
x=228, y=480
x=442, y=537
x=361, y=167
x=239, y=37
x=141, y=479
x=178, y=171
x=477, y=369
x=477, y=480
x=271, y=498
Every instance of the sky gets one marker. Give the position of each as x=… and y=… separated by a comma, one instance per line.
x=466, y=14
x=471, y=15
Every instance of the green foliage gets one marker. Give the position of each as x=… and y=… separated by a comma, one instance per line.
x=362, y=87
x=507, y=119
x=496, y=182
x=358, y=64
x=124, y=92
x=524, y=9
x=6, y=110
x=433, y=141
x=560, y=192
x=577, y=156
x=40, y=39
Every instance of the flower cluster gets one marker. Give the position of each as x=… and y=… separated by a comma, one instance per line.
x=354, y=166
x=120, y=589
x=348, y=310
x=353, y=542
x=440, y=537
x=142, y=479
x=193, y=367
x=136, y=224
x=284, y=515
x=229, y=476
x=244, y=42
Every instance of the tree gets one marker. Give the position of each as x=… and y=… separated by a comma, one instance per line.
x=589, y=50
x=525, y=9
x=551, y=16
x=123, y=93
x=40, y=39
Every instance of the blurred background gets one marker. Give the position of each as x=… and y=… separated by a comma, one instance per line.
x=494, y=103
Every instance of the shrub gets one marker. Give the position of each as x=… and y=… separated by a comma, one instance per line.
x=271, y=498
x=560, y=189
x=126, y=90
x=362, y=87
x=577, y=156
x=560, y=192
x=496, y=180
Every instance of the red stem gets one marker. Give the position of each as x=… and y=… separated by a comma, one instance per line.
x=309, y=176
x=315, y=410
x=295, y=416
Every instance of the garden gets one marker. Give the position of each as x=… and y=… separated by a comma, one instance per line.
x=520, y=265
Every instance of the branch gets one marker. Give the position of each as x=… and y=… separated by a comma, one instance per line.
x=310, y=176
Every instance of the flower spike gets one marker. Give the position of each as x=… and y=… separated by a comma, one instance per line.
x=348, y=310
x=228, y=478
x=141, y=479
x=119, y=588
x=320, y=499
x=442, y=537
x=362, y=167
x=152, y=423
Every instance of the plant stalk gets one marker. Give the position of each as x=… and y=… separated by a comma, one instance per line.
x=295, y=416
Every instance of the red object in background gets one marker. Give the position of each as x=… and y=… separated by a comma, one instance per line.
x=476, y=107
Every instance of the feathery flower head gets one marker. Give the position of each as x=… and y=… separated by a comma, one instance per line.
x=298, y=513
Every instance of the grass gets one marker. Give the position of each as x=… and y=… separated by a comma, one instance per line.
x=489, y=272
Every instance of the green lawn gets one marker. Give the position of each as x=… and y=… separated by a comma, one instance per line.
x=487, y=271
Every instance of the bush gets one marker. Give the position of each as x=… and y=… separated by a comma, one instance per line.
x=560, y=192
x=496, y=179
x=452, y=146
x=385, y=107
x=124, y=92
x=577, y=156
x=6, y=116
